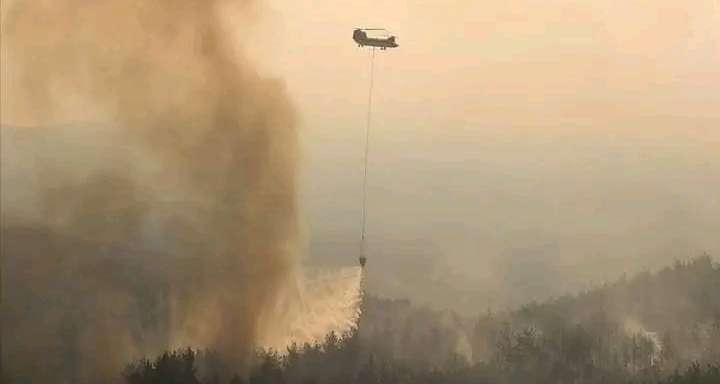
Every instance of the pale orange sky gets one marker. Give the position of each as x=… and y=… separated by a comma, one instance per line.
x=491, y=61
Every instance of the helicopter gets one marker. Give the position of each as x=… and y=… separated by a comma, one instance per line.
x=361, y=38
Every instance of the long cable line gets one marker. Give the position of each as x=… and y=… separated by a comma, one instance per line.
x=367, y=151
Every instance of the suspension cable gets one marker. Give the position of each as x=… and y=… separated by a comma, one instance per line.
x=367, y=150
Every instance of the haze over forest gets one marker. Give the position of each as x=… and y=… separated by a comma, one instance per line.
x=182, y=179
x=519, y=149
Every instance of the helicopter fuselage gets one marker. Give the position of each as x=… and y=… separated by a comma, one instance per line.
x=362, y=39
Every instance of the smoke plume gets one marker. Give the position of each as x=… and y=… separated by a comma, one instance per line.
x=149, y=186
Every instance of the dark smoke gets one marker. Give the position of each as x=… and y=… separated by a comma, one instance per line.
x=169, y=221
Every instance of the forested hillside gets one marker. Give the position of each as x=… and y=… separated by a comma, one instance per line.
x=661, y=327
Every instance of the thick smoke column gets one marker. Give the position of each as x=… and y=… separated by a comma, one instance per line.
x=173, y=223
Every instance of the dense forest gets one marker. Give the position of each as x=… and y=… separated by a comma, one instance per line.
x=661, y=327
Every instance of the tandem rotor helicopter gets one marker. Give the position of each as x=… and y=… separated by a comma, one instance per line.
x=383, y=42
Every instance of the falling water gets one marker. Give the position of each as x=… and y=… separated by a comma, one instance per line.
x=329, y=301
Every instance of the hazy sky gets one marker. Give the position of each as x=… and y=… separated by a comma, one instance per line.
x=519, y=148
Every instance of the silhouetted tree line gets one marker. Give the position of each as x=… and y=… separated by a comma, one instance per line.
x=320, y=365
x=656, y=328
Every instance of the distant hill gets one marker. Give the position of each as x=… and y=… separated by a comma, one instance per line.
x=668, y=318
